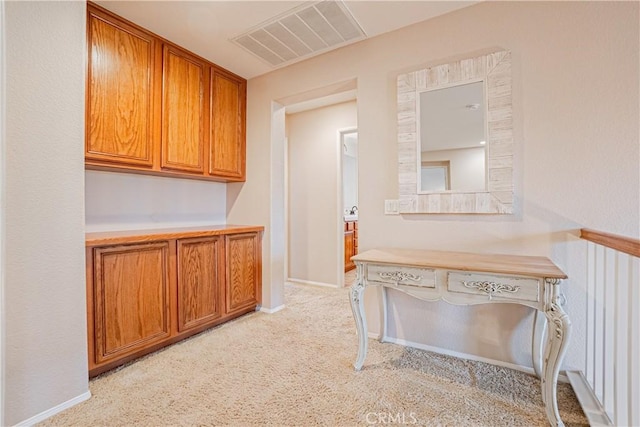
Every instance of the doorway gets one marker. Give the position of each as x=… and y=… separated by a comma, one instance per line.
x=349, y=145
x=315, y=203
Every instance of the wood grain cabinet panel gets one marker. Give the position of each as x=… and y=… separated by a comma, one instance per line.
x=349, y=250
x=350, y=244
x=200, y=281
x=119, y=92
x=228, y=99
x=131, y=293
x=183, y=111
x=243, y=253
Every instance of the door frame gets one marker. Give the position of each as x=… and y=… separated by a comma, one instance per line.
x=2, y=205
x=341, y=133
x=335, y=93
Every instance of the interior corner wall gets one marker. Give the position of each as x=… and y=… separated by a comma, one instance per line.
x=45, y=303
x=273, y=293
x=3, y=92
x=314, y=152
x=575, y=93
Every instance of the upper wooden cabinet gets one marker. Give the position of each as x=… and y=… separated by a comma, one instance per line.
x=183, y=114
x=228, y=98
x=155, y=108
x=120, y=92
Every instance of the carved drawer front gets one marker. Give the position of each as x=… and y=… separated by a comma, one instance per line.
x=494, y=287
x=406, y=276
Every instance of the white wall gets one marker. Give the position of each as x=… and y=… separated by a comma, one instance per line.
x=45, y=306
x=314, y=169
x=466, y=167
x=575, y=74
x=124, y=201
x=350, y=170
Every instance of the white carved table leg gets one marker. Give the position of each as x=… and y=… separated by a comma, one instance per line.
x=558, y=332
x=357, y=306
x=538, y=342
x=383, y=313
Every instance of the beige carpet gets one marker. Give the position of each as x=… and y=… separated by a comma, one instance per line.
x=294, y=368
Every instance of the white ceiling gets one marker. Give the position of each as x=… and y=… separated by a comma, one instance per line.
x=205, y=27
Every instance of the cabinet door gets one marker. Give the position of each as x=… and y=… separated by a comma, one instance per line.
x=120, y=80
x=228, y=112
x=244, y=271
x=131, y=293
x=349, y=250
x=200, y=281
x=183, y=111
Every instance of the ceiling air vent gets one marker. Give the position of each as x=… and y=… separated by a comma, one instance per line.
x=302, y=32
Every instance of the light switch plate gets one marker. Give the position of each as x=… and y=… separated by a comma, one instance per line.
x=391, y=207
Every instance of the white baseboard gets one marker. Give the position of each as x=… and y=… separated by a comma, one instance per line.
x=271, y=310
x=311, y=282
x=55, y=410
x=562, y=377
x=590, y=404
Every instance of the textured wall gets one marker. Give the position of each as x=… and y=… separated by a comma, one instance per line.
x=46, y=341
x=314, y=152
x=123, y=201
x=575, y=74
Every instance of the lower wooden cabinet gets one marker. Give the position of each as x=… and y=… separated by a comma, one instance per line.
x=200, y=281
x=146, y=291
x=131, y=285
x=243, y=271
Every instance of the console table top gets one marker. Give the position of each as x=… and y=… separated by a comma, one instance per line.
x=535, y=266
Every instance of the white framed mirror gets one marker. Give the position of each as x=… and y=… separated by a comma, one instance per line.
x=455, y=137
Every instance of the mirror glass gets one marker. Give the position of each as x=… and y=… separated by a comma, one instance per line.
x=452, y=138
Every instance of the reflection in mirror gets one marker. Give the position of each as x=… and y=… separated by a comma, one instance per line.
x=435, y=176
x=452, y=138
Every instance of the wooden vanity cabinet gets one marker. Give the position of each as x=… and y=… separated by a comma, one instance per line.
x=350, y=244
x=155, y=108
x=151, y=288
x=348, y=251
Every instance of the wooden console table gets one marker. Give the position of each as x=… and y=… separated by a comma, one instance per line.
x=463, y=279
